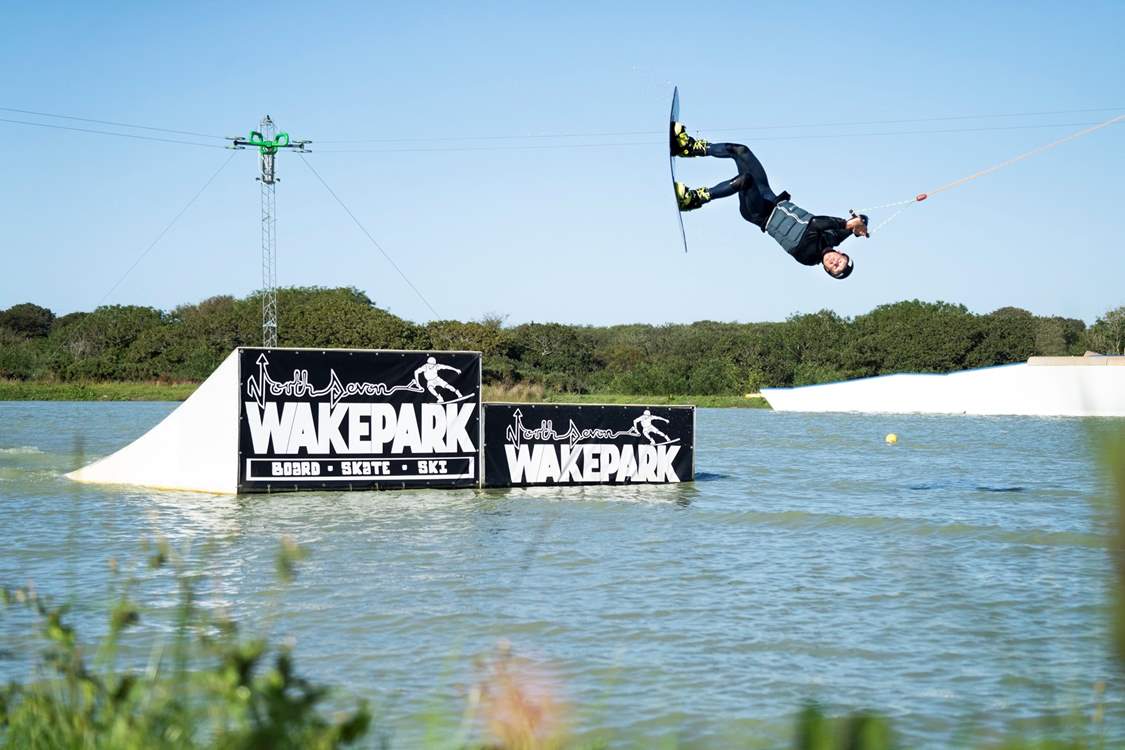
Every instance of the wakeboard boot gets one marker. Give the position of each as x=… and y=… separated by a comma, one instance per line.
x=690, y=199
x=682, y=144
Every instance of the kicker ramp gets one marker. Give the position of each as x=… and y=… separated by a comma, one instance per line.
x=1092, y=386
x=193, y=448
x=275, y=420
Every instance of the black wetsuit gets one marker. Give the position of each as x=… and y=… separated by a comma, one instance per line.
x=756, y=201
x=824, y=234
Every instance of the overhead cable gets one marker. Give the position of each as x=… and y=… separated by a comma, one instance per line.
x=363, y=229
x=649, y=144
x=108, y=122
x=901, y=205
x=626, y=133
x=165, y=230
x=107, y=132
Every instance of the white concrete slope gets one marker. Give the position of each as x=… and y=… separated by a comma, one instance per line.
x=193, y=448
x=1044, y=386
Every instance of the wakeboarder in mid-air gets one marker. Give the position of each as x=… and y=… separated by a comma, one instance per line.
x=644, y=425
x=811, y=240
x=431, y=371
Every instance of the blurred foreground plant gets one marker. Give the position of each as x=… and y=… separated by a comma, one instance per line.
x=860, y=731
x=519, y=702
x=1113, y=457
x=214, y=688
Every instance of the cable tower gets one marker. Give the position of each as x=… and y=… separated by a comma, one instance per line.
x=268, y=142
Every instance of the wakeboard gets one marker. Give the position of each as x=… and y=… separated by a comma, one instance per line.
x=455, y=400
x=673, y=118
x=666, y=442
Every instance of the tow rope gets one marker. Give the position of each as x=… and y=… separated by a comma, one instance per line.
x=904, y=204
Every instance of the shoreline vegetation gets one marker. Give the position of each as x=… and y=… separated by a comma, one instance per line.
x=30, y=390
x=130, y=352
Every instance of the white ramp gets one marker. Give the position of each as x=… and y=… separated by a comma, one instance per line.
x=1091, y=386
x=193, y=448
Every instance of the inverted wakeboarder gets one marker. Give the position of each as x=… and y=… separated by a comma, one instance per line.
x=811, y=240
x=430, y=371
x=644, y=425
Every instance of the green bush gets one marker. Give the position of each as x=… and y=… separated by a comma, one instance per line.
x=27, y=320
x=1107, y=335
x=810, y=374
x=19, y=360
x=703, y=358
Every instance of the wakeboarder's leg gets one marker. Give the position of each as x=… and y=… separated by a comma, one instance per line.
x=749, y=168
x=727, y=188
x=756, y=198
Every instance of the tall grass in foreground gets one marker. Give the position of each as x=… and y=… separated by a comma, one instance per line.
x=31, y=390
x=533, y=393
x=210, y=686
x=214, y=687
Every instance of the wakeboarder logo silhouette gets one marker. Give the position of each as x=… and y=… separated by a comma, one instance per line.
x=647, y=429
x=431, y=371
x=258, y=387
x=642, y=426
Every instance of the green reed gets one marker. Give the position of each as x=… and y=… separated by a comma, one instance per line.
x=210, y=687
x=36, y=390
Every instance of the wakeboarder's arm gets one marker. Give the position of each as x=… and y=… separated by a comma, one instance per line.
x=831, y=229
x=447, y=367
x=855, y=223
x=827, y=223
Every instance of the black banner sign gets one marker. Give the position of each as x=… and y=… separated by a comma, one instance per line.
x=526, y=444
x=357, y=419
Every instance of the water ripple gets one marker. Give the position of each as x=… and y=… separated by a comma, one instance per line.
x=954, y=579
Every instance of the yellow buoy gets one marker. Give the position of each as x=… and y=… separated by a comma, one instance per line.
x=891, y=438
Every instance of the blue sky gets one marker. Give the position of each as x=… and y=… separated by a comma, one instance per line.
x=575, y=224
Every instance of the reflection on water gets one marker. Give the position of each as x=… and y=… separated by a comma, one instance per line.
x=710, y=476
x=966, y=485
x=957, y=576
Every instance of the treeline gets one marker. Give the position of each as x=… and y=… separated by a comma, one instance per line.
x=124, y=342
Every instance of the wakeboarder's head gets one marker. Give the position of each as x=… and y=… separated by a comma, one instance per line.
x=431, y=361
x=836, y=264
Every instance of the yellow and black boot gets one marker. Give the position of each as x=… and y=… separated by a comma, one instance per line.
x=691, y=198
x=683, y=144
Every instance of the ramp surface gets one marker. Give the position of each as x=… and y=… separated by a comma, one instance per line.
x=194, y=448
x=1058, y=387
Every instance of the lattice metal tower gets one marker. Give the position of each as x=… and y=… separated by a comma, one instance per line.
x=269, y=141
x=268, y=182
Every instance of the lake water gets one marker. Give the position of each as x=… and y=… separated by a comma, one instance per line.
x=956, y=582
